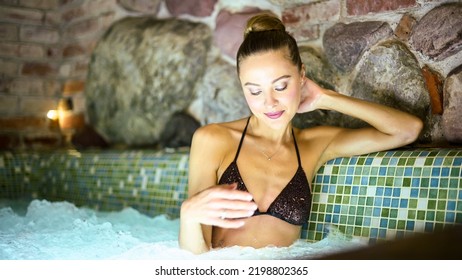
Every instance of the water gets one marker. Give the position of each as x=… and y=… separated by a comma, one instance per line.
x=43, y=230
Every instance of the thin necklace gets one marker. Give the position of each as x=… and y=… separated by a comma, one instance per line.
x=269, y=157
x=266, y=155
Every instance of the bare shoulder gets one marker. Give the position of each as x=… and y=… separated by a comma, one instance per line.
x=219, y=133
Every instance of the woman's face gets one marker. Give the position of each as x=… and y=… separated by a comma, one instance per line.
x=271, y=85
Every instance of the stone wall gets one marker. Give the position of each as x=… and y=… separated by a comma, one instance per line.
x=386, y=51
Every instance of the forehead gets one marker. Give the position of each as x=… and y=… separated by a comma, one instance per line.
x=266, y=66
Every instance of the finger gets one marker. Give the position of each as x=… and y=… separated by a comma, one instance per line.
x=234, y=214
x=219, y=204
x=229, y=192
x=228, y=223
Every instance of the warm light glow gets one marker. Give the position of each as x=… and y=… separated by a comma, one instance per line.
x=52, y=115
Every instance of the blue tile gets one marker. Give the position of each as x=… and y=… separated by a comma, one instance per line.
x=319, y=227
x=378, y=201
x=451, y=205
x=382, y=171
x=383, y=223
x=337, y=209
x=325, y=179
x=328, y=218
x=450, y=217
x=386, y=202
x=445, y=171
x=414, y=192
x=458, y=162
x=408, y=171
x=350, y=170
x=376, y=212
x=415, y=182
x=355, y=190
x=396, y=192
x=395, y=202
x=434, y=182
x=410, y=225
x=388, y=191
x=429, y=226
x=324, y=189
x=379, y=191
x=374, y=233
x=404, y=203
x=438, y=161
x=393, y=161
x=368, y=161
x=332, y=189
x=367, y=221
x=382, y=233
x=335, y=219
x=349, y=180
x=436, y=171
x=364, y=181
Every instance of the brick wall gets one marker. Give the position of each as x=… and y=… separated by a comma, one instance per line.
x=45, y=47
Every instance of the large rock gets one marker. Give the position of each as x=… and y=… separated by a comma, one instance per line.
x=345, y=43
x=438, y=34
x=452, y=114
x=220, y=95
x=143, y=71
x=389, y=74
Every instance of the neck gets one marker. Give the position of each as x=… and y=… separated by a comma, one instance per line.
x=270, y=134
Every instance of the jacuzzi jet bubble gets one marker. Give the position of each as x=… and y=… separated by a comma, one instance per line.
x=60, y=230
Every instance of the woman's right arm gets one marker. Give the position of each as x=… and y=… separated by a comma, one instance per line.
x=207, y=201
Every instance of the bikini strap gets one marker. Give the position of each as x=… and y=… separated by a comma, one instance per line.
x=242, y=139
x=296, y=148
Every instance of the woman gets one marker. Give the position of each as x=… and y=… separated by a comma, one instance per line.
x=249, y=178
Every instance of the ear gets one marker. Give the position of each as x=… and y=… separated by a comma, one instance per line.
x=302, y=74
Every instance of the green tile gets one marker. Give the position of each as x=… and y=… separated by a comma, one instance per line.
x=401, y=224
x=441, y=205
x=440, y=216
x=385, y=212
x=393, y=213
x=392, y=224
x=411, y=214
x=430, y=216
x=423, y=193
x=413, y=203
x=420, y=215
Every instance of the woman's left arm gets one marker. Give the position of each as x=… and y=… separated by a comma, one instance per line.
x=390, y=128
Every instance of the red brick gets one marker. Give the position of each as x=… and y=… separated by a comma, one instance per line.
x=434, y=84
x=9, y=49
x=21, y=15
x=39, y=34
x=8, y=105
x=31, y=51
x=9, y=141
x=8, y=32
x=40, y=4
x=16, y=123
x=9, y=68
x=72, y=14
x=312, y=13
x=73, y=50
x=73, y=86
x=363, y=7
x=38, y=69
x=26, y=87
x=84, y=28
x=36, y=106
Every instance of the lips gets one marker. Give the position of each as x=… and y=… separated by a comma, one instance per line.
x=274, y=115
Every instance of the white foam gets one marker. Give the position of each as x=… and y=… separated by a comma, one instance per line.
x=60, y=231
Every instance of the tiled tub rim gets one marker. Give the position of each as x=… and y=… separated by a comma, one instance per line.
x=377, y=196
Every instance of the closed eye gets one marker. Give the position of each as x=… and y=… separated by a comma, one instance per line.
x=281, y=88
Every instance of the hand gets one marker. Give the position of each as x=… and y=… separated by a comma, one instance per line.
x=310, y=95
x=220, y=205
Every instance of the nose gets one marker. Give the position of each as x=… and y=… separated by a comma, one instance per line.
x=270, y=100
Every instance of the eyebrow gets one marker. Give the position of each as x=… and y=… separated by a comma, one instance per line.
x=275, y=80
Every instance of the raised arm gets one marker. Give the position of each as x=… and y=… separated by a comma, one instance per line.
x=390, y=128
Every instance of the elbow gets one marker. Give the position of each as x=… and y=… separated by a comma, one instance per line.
x=412, y=131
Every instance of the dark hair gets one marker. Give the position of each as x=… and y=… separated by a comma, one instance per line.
x=265, y=32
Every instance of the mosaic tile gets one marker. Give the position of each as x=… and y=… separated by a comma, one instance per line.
x=378, y=196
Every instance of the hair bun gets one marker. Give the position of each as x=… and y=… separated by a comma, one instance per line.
x=263, y=22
